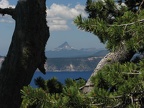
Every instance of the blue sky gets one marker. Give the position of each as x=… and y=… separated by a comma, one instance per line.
x=60, y=15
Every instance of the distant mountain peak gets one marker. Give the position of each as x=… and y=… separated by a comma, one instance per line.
x=64, y=46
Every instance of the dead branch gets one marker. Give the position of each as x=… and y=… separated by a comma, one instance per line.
x=8, y=11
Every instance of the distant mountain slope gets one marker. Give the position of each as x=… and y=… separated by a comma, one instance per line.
x=64, y=46
x=72, y=64
x=66, y=51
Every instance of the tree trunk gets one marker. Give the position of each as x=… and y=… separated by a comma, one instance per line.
x=121, y=55
x=26, y=52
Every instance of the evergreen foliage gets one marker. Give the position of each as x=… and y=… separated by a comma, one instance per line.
x=49, y=86
x=115, y=24
x=70, y=97
x=119, y=85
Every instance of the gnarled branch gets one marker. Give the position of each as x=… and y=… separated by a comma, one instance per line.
x=8, y=11
x=122, y=55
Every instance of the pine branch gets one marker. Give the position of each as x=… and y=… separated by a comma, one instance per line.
x=140, y=5
x=81, y=23
x=134, y=72
x=128, y=24
x=87, y=85
x=8, y=11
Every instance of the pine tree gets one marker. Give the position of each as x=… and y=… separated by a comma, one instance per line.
x=119, y=25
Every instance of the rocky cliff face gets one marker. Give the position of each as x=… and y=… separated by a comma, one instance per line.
x=72, y=64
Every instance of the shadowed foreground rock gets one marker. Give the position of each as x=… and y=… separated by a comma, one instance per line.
x=26, y=52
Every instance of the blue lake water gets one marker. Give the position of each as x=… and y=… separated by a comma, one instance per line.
x=61, y=76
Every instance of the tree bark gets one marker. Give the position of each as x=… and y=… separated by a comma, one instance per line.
x=122, y=55
x=26, y=52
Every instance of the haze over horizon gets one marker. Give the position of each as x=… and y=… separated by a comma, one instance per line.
x=60, y=15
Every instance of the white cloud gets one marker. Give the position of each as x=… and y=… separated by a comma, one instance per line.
x=59, y=15
x=65, y=11
x=57, y=24
x=5, y=4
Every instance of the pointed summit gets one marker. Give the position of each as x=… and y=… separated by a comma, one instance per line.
x=64, y=46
